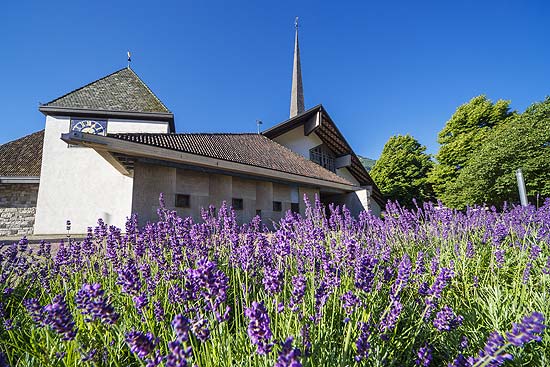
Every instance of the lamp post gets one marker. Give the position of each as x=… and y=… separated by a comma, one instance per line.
x=521, y=188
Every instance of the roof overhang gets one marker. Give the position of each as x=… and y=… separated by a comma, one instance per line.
x=109, y=148
x=82, y=112
x=19, y=179
x=317, y=120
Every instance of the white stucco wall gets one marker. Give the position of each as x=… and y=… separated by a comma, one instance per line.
x=296, y=141
x=130, y=126
x=77, y=184
x=343, y=172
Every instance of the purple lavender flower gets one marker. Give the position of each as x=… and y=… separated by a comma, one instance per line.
x=362, y=344
x=419, y=265
x=546, y=269
x=273, y=280
x=155, y=359
x=8, y=291
x=470, y=252
x=91, y=301
x=59, y=318
x=288, y=356
x=424, y=289
x=128, y=278
x=35, y=310
x=527, y=330
x=493, y=351
x=158, y=310
x=140, y=343
x=298, y=291
x=90, y=356
x=476, y=281
x=389, y=320
x=424, y=356
x=178, y=355
x=258, y=328
x=499, y=256
x=463, y=343
x=535, y=252
x=460, y=361
x=181, y=327
x=444, y=276
x=526, y=272
x=321, y=296
x=200, y=329
x=211, y=282
x=8, y=324
x=403, y=274
x=350, y=301
x=446, y=320
x=140, y=302
x=365, y=273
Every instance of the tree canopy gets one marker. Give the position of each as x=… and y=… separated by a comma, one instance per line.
x=463, y=134
x=401, y=171
x=522, y=142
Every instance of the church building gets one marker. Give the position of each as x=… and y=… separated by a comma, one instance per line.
x=110, y=148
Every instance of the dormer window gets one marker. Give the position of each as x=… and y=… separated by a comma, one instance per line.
x=323, y=157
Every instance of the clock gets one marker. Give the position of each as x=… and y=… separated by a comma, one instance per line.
x=88, y=126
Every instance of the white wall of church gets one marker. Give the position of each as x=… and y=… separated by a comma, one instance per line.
x=343, y=172
x=296, y=141
x=130, y=126
x=77, y=184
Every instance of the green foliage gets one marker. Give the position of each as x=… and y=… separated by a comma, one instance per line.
x=462, y=135
x=523, y=142
x=368, y=163
x=401, y=172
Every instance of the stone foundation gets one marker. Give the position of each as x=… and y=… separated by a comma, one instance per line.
x=17, y=208
x=16, y=221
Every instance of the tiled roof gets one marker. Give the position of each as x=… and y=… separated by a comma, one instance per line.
x=121, y=91
x=22, y=157
x=250, y=149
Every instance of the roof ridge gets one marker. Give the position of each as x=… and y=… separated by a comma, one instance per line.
x=21, y=138
x=87, y=85
x=149, y=89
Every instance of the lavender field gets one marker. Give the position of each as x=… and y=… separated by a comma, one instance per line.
x=427, y=287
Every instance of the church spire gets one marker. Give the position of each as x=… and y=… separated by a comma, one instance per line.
x=297, y=94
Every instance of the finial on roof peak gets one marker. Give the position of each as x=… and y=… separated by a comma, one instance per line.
x=129, y=59
x=296, y=22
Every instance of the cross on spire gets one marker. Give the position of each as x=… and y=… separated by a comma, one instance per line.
x=297, y=93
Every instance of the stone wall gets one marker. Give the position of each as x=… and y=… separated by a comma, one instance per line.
x=17, y=208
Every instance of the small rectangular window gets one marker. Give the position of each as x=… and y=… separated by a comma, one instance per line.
x=295, y=207
x=237, y=204
x=183, y=201
x=277, y=206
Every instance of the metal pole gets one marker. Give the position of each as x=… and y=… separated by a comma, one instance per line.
x=521, y=188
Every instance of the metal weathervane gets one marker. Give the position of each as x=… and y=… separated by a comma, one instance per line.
x=129, y=58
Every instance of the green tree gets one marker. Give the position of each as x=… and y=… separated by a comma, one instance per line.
x=401, y=171
x=523, y=142
x=462, y=135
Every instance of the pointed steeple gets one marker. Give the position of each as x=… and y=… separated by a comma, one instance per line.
x=297, y=94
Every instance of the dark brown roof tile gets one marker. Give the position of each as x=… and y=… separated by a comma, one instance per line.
x=251, y=149
x=22, y=157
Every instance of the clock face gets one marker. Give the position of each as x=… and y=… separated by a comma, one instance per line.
x=97, y=127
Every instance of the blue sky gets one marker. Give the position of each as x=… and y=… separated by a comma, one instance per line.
x=379, y=68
